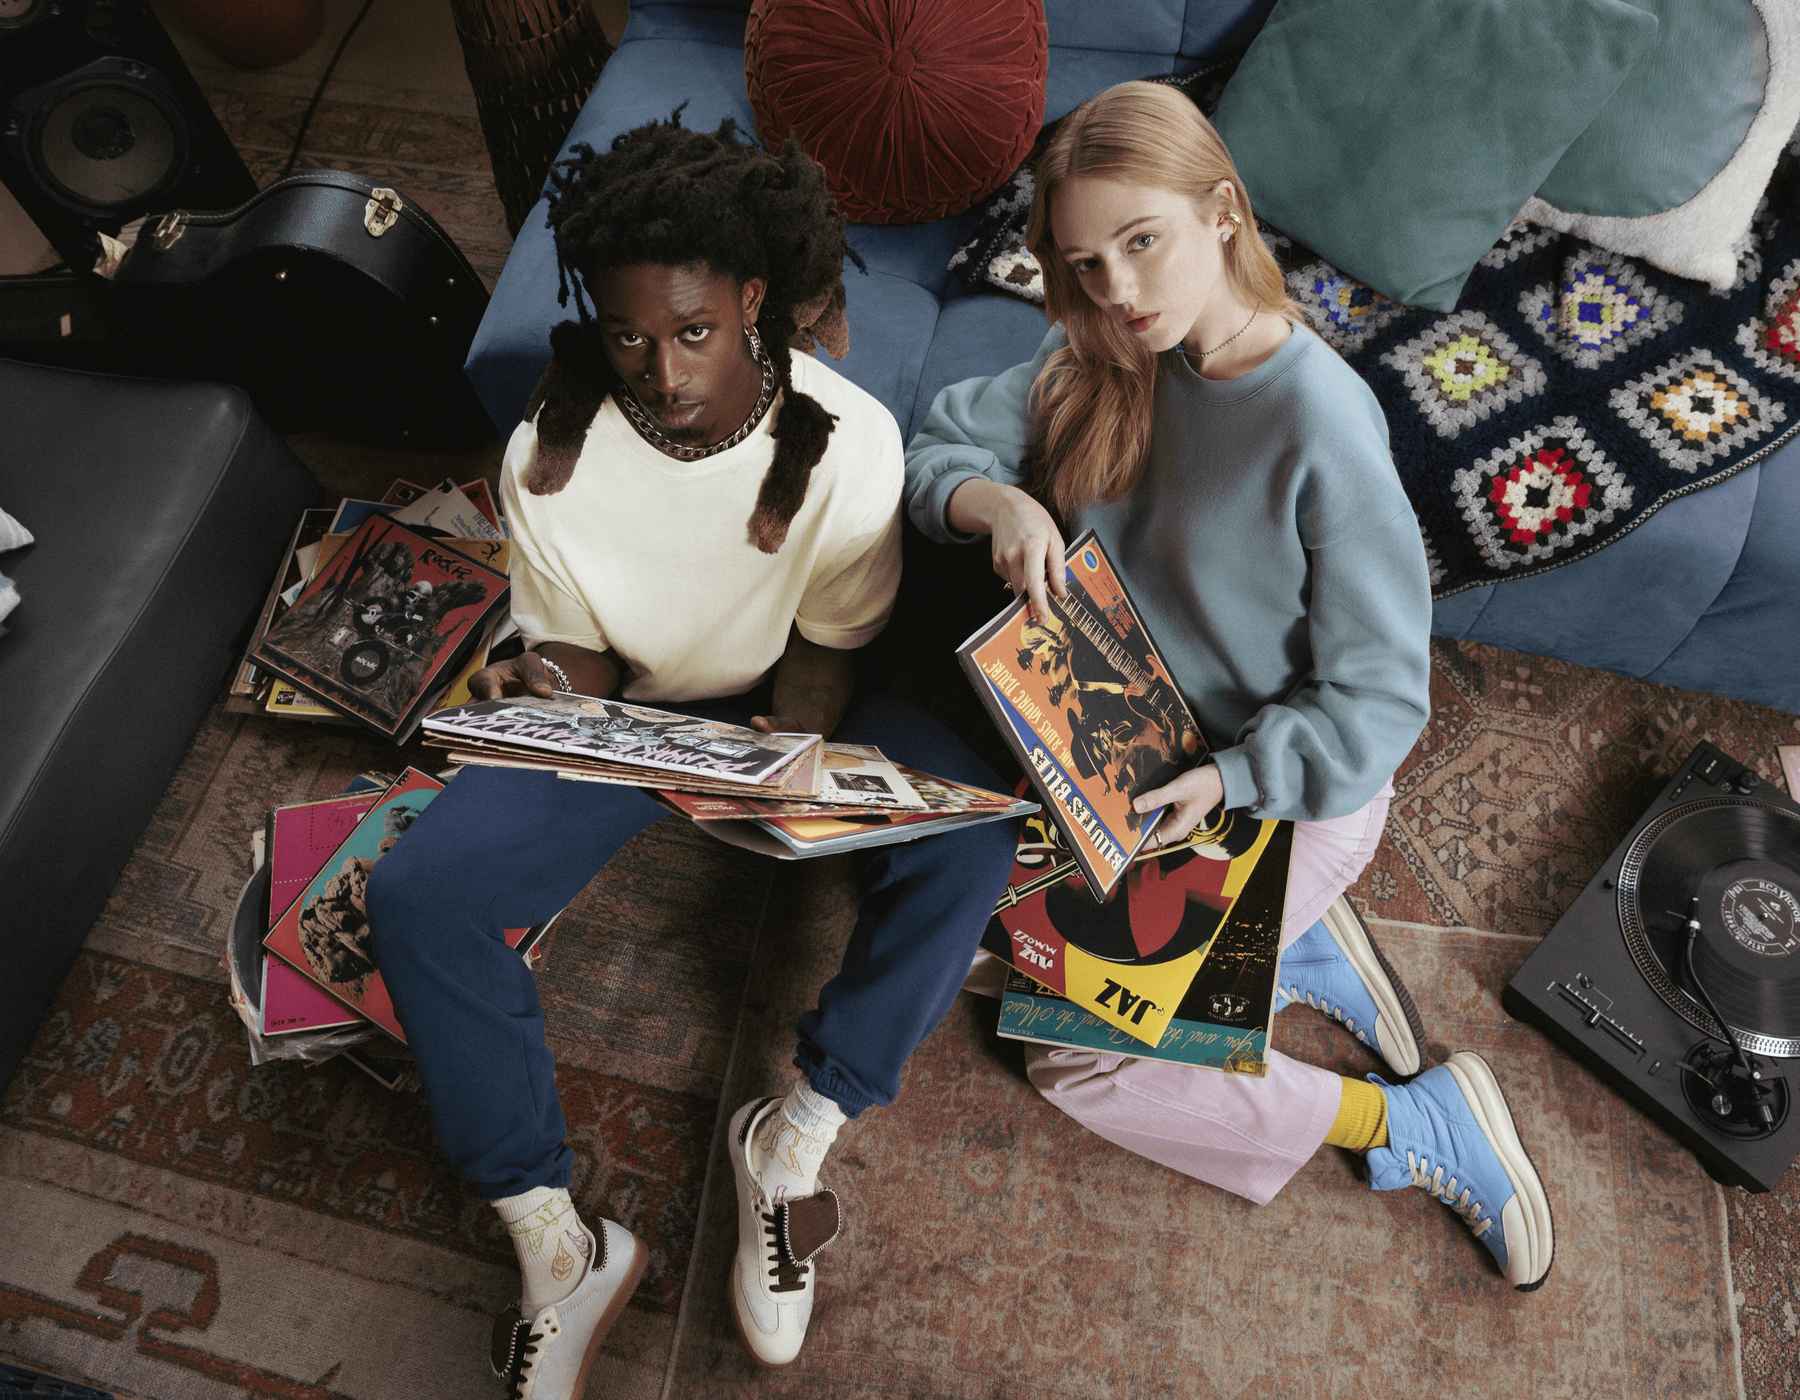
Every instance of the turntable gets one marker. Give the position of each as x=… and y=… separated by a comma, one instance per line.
x=1676, y=973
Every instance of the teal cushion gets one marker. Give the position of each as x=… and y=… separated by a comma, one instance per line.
x=1676, y=119
x=1398, y=138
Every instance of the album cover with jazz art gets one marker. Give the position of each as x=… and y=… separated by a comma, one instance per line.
x=1088, y=707
x=1181, y=967
x=380, y=625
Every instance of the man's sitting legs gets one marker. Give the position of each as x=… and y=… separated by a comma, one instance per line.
x=922, y=907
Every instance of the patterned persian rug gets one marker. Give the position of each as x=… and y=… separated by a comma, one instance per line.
x=1572, y=392
x=176, y=1225
x=179, y=1224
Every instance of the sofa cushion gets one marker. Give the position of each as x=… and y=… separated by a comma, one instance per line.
x=1721, y=566
x=916, y=110
x=919, y=253
x=1215, y=27
x=1076, y=74
x=892, y=321
x=1731, y=645
x=1324, y=119
x=981, y=333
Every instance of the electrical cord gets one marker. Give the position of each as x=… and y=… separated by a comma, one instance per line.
x=319, y=91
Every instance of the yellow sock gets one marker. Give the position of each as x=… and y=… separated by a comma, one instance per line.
x=1361, y=1121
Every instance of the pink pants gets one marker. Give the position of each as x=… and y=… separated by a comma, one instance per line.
x=1246, y=1135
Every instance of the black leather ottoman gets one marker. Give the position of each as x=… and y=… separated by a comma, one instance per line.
x=160, y=512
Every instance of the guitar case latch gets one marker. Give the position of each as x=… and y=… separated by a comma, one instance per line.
x=382, y=211
x=166, y=231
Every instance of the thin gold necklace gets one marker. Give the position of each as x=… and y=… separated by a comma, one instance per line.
x=1192, y=355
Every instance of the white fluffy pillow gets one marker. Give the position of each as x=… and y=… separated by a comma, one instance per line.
x=1700, y=238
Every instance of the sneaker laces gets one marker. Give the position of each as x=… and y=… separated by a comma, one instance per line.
x=1434, y=1185
x=789, y=1275
x=525, y=1362
x=1328, y=1008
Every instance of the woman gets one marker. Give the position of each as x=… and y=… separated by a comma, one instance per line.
x=1240, y=472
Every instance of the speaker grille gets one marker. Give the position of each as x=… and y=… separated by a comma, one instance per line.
x=104, y=139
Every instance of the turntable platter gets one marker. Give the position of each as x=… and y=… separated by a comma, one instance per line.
x=1741, y=858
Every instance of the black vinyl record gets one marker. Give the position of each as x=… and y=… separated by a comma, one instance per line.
x=1741, y=860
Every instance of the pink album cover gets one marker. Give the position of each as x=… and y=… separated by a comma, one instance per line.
x=292, y=1003
x=321, y=936
x=301, y=838
x=324, y=932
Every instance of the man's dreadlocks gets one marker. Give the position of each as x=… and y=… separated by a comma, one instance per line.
x=664, y=194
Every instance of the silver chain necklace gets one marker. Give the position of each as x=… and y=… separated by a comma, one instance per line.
x=1193, y=355
x=640, y=418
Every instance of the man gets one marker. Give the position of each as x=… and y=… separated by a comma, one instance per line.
x=704, y=521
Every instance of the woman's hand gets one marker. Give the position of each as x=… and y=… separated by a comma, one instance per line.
x=1192, y=796
x=1027, y=547
x=524, y=674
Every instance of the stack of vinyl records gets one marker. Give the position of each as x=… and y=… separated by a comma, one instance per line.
x=381, y=610
x=304, y=978
x=785, y=795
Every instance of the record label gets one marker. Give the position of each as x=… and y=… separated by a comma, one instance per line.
x=1762, y=917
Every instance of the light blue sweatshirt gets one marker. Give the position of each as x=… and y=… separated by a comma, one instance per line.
x=1269, y=547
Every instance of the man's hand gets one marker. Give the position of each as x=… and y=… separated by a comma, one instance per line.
x=524, y=674
x=812, y=689
x=1192, y=796
x=785, y=724
x=590, y=673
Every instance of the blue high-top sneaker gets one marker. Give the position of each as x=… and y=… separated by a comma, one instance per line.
x=1451, y=1135
x=1335, y=967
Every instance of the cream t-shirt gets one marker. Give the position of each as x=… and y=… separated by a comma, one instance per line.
x=650, y=557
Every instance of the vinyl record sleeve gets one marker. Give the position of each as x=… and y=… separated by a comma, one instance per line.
x=1087, y=705
x=247, y=680
x=1205, y=914
x=616, y=733
x=322, y=933
x=375, y=630
x=794, y=835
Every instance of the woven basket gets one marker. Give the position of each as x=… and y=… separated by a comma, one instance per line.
x=532, y=64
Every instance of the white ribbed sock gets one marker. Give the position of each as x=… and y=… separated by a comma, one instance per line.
x=790, y=1145
x=553, y=1246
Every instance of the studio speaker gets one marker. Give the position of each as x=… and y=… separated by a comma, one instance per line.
x=100, y=122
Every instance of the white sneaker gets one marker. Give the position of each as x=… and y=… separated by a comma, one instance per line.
x=772, y=1274
x=548, y=1358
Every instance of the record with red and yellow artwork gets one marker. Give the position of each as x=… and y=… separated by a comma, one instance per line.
x=1087, y=704
x=1180, y=967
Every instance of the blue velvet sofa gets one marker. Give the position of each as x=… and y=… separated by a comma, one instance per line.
x=1705, y=594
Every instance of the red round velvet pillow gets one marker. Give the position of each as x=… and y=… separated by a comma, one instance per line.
x=916, y=108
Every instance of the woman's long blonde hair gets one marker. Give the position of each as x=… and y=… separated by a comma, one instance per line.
x=1092, y=400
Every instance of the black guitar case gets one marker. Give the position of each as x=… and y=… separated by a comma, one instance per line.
x=338, y=304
